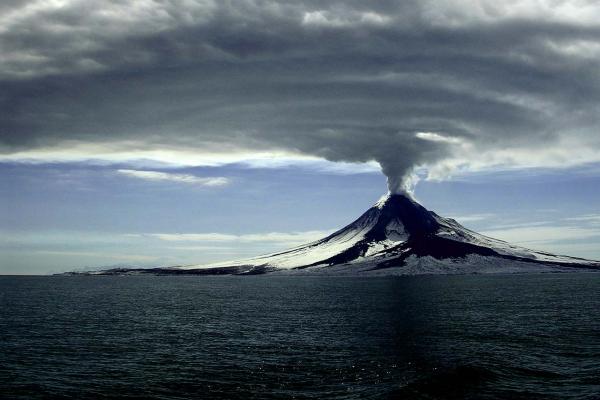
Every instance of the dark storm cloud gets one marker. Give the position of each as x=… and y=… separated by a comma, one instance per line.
x=346, y=81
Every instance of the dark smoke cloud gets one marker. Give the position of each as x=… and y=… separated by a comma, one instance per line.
x=346, y=81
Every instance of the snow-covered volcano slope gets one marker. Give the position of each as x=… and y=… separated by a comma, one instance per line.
x=399, y=236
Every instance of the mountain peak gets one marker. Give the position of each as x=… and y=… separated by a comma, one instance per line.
x=404, y=210
x=382, y=200
x=390, y=197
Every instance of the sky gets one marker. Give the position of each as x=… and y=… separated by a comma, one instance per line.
x=175, y=132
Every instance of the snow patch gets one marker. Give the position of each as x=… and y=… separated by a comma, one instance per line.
x=382, y=200
x=395, y=231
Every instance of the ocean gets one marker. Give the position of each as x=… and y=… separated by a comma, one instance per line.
x=531, y=336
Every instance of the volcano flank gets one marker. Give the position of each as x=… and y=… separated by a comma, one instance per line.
x=397, y=236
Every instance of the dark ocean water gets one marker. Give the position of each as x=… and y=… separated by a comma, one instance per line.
x=266, y=337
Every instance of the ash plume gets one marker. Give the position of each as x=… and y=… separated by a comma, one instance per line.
x=484, y=83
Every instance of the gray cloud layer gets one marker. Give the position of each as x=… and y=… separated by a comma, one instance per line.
x=415, y=83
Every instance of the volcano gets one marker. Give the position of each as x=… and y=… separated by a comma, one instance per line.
x=398, y=236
